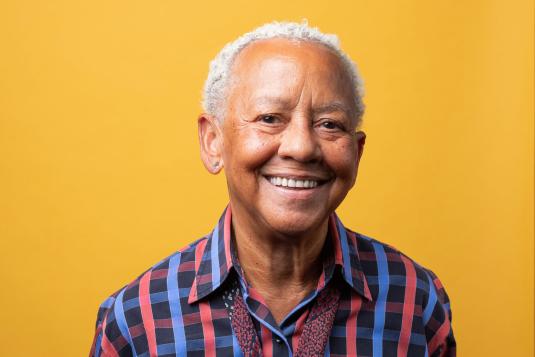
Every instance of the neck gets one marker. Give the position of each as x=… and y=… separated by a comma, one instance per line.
x=282, y=268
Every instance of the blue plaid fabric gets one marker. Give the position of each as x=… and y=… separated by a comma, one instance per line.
x=389, y=305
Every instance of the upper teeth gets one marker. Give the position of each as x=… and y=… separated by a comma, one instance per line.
x=286, y=182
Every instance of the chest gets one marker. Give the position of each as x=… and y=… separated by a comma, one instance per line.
x=360, y=328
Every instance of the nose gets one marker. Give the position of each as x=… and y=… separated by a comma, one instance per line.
x=298, y=141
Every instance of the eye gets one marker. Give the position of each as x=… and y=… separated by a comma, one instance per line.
x=331, y=125
x=268, y=119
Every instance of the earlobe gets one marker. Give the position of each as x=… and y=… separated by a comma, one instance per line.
x=210, y=140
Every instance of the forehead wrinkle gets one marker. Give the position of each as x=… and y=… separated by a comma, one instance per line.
x=273, y=101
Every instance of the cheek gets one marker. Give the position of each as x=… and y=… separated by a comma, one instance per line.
x=250, y=149
x=342, y=159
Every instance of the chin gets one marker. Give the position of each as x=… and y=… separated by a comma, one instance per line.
x=294, y=224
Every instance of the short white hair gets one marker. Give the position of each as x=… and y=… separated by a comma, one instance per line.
x=217, y=83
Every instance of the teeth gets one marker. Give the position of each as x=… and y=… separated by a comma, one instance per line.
x=285, y=182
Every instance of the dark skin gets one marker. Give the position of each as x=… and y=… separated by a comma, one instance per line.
x=290, y=278
x=290, y=115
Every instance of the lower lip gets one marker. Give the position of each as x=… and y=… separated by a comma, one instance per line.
x=296, y=193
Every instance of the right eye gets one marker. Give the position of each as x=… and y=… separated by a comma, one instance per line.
x=268, y=119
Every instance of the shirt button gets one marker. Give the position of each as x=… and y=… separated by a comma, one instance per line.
x=278, y=340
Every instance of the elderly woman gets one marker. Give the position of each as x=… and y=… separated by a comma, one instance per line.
x=280, y=275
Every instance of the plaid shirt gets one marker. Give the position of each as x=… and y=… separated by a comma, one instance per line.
x=389, y=305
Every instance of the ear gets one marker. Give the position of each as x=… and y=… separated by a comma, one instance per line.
x=211, y=141
x=361, y=140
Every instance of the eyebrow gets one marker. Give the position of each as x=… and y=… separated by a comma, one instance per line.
x=332, y=107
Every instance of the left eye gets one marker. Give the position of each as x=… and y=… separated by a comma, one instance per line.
x=329, y=125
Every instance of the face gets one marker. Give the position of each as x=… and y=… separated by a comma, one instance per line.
x=289, y=145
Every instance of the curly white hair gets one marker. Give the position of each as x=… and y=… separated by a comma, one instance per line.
x=216, y=85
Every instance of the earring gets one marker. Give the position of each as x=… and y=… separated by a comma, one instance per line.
x=215, y=165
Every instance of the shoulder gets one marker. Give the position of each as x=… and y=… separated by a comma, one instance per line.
x=398, y=282
x=383, y=263
x=175, y=272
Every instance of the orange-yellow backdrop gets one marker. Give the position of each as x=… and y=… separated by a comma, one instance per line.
x=100, y=174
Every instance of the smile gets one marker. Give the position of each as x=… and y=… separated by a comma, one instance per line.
x=292, y=183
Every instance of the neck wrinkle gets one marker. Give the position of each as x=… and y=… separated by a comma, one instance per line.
x=276, y=263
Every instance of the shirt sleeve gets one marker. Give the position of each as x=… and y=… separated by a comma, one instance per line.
x=437, y=318
x=102, y=345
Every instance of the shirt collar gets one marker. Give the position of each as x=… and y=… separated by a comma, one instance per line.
x=346, y=255
x=213, y=258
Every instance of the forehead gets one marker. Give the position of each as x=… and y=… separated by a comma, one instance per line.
x=277, y=67
x=264, y=54
x=284, y=46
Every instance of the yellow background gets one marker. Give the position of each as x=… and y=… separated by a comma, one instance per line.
x=100, y=175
